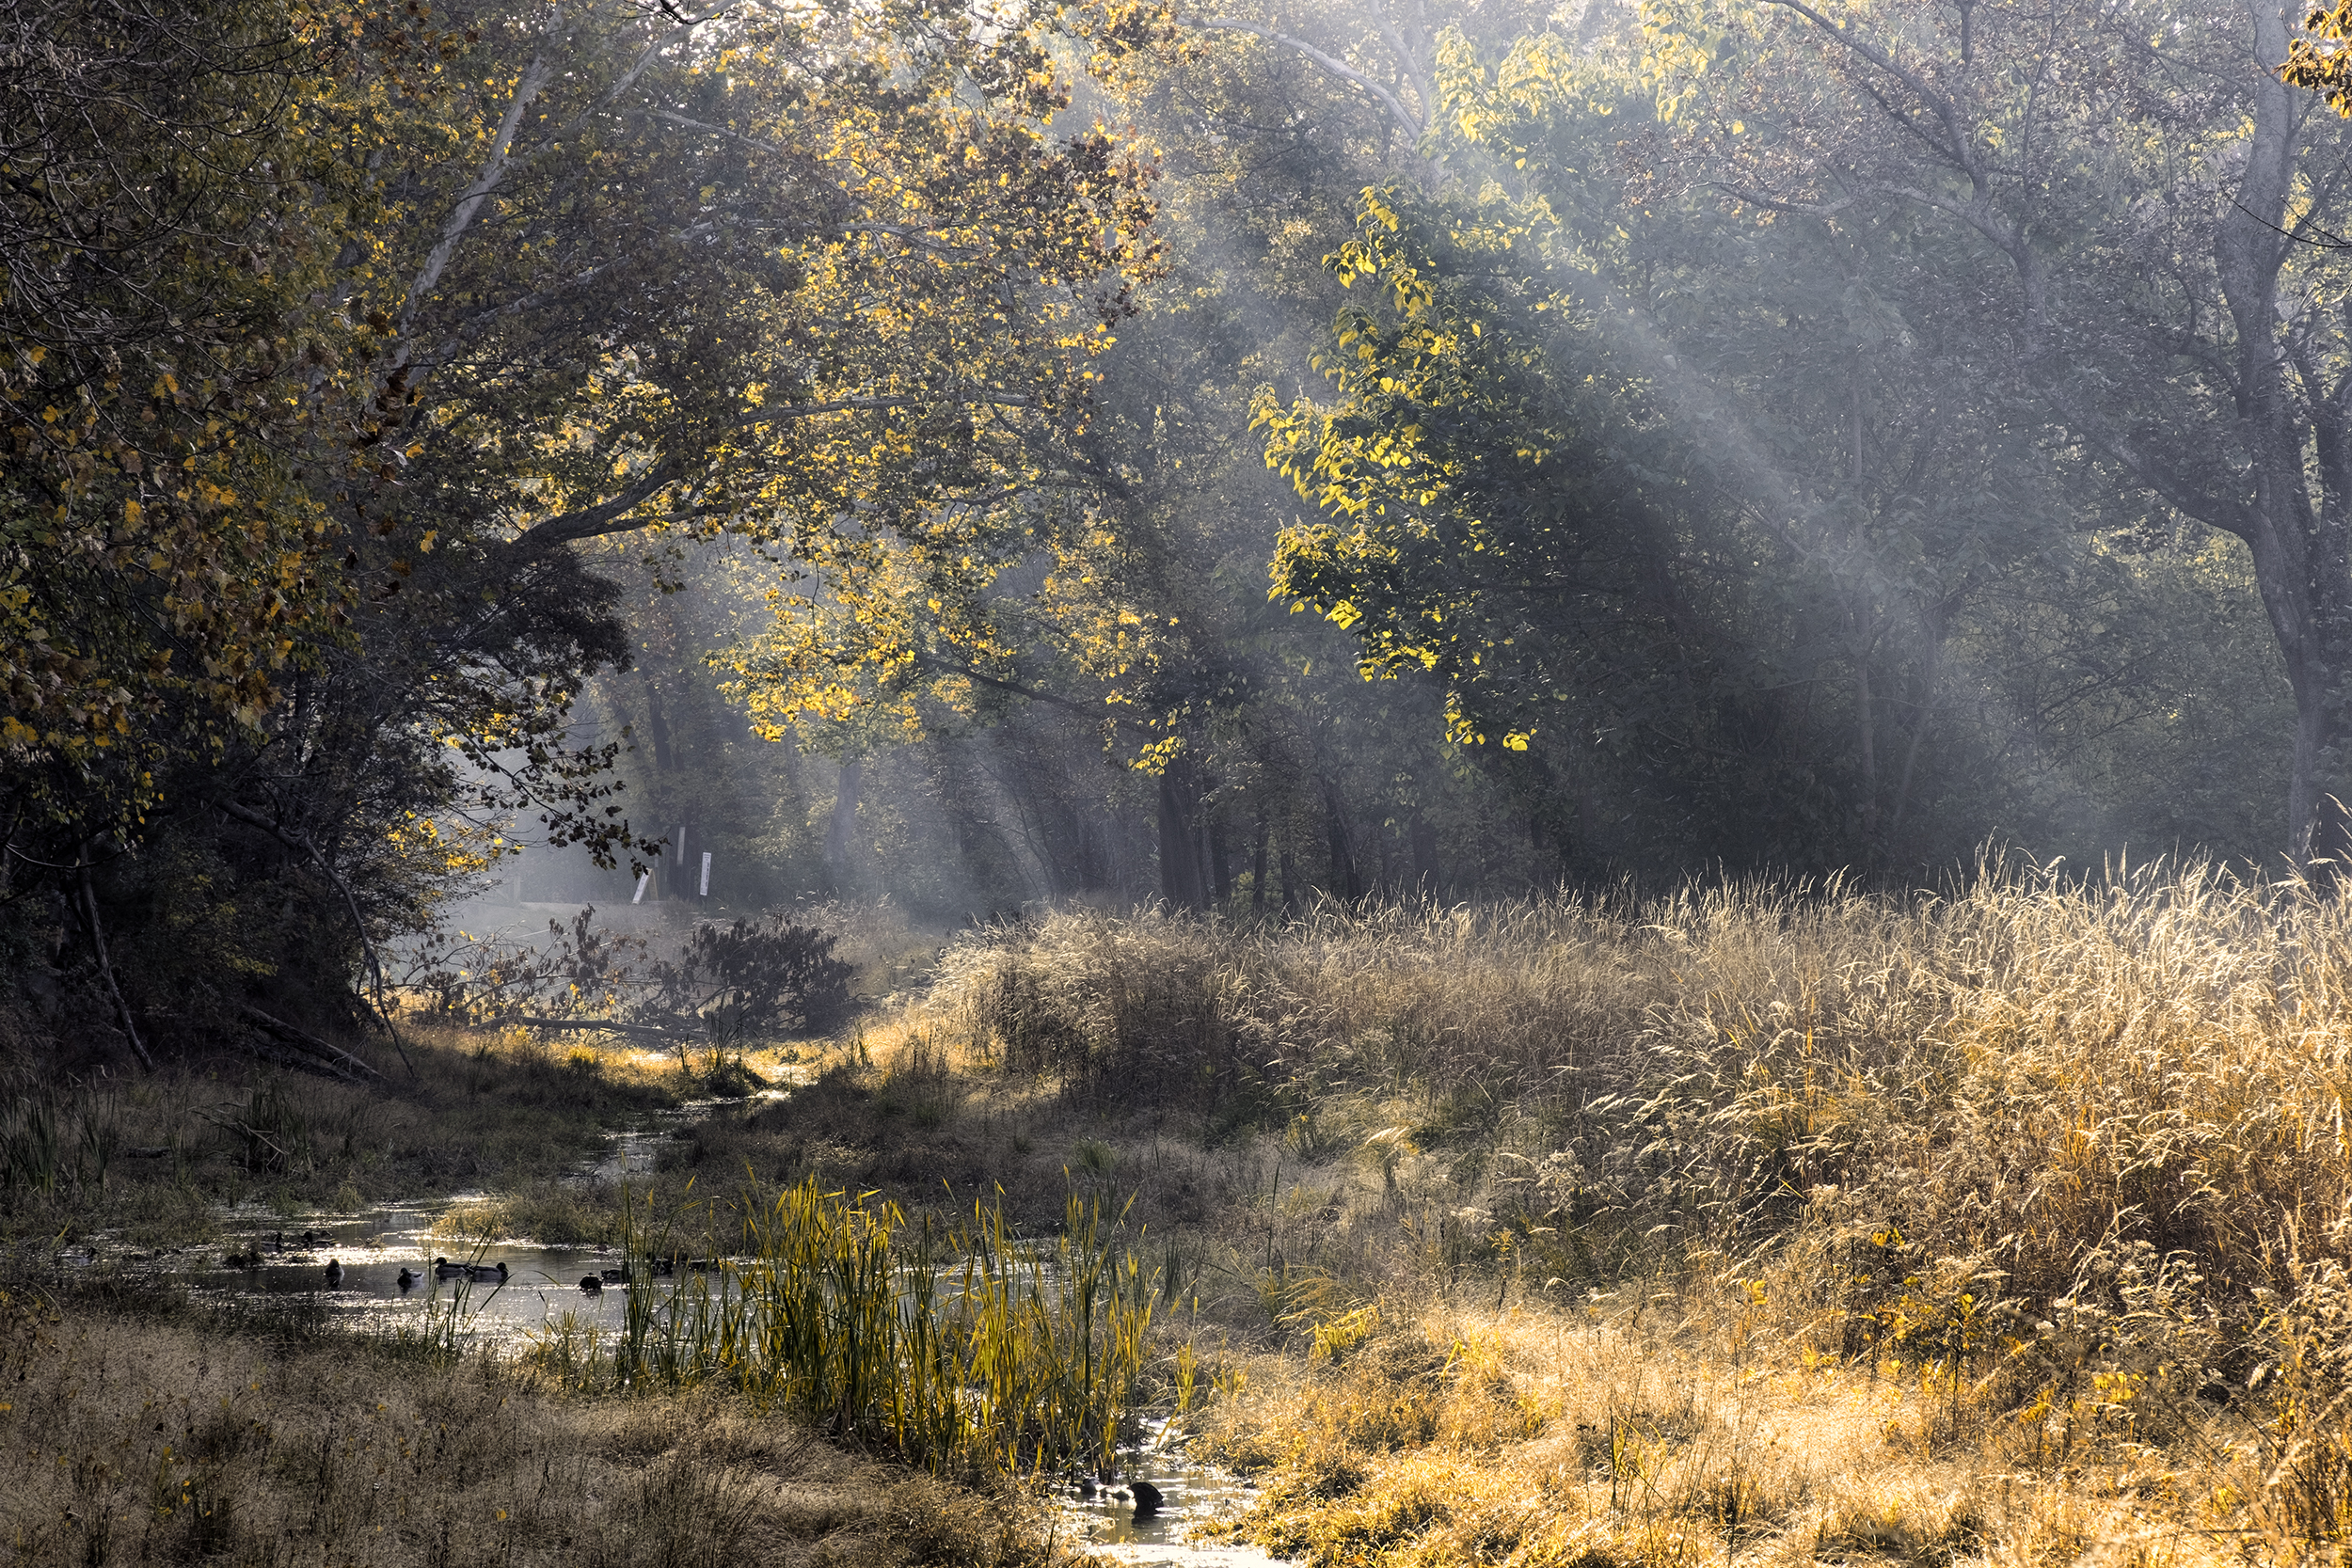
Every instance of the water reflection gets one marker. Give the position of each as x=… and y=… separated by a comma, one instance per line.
x=375, y=1248
x=1191, y=1495
x=397, y=1277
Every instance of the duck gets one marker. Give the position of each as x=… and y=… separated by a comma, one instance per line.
x=614, y=1276
x=661, y=1267
x=1147, y=1498
x=592, y=1284
x=408, y=1278
x=444, y=1269
x=486, y=1273
x=242, y=1261
x=334, y=1273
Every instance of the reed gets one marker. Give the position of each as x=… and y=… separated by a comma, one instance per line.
x=59, y=1140
x=963, y=1348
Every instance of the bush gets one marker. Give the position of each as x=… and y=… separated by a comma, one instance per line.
x=757, y=978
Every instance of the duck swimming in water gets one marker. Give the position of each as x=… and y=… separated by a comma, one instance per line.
x=484, y=1271
x=334, y=1273
x=444, y=1269
x=408, y=1278
x=592, y=1284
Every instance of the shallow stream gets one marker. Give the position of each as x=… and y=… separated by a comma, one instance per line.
x=544, y=1283
x=1191, y=1495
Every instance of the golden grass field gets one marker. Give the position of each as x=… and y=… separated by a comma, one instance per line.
x=1756, y=1223
x=2006, y=1226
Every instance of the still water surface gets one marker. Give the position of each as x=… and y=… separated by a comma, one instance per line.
x=543, y=1283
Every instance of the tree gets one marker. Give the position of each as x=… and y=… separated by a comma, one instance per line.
x=821, y=282
x=2141, y=189
x=543, y=277
x=1705, y=517
x=161, y=225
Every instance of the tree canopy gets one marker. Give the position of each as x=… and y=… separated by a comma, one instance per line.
x=1236, y=457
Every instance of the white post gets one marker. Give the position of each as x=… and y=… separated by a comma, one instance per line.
x=682, y=843
x=642, y=877
x=706, y=893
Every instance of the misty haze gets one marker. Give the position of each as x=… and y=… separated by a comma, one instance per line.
x=983, y=782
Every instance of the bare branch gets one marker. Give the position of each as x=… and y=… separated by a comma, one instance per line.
x=351, y=902
x=498, y=163
x=534, y=80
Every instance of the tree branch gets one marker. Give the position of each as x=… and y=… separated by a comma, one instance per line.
x=305, y=1038
x=1336, y=67
x=943, y=667
x=534, y=80
x=497, y=164
x=98, y=942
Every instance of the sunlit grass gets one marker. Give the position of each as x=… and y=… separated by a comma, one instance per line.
x=1748, y=1221
x=963, y=1349
x=1759, y=1223
x=154, y=1158
x=138, y=1440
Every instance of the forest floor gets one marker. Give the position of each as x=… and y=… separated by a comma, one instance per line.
x=2004, y=1229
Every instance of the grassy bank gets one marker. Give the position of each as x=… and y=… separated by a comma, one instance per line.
x=135, y=1438
x=153, y=1157
x=1788, y=1225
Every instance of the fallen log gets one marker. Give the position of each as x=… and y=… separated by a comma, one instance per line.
x=269, y=1051
x=636, y=1031
x=348, y=1064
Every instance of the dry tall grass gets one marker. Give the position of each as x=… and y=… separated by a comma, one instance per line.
x=152, y=1159
x=2063, y=1163
x=131, y=1441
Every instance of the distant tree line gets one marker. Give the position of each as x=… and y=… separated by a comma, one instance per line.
x=1124, y=453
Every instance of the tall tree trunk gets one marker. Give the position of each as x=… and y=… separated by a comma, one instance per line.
x=2284, y=407
x=2301, y=560
x=1867, y=742
x=1180, y=881
x=658, y=728
x=841, y=827
x=1425, y=843
x=1345, y=883
x=1930, y=675
x=1257, y=867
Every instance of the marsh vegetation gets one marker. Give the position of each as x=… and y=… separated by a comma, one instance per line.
x=135, y=1435
x=1150, y=716
x=1762, y=1222
x=1757, y=1222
